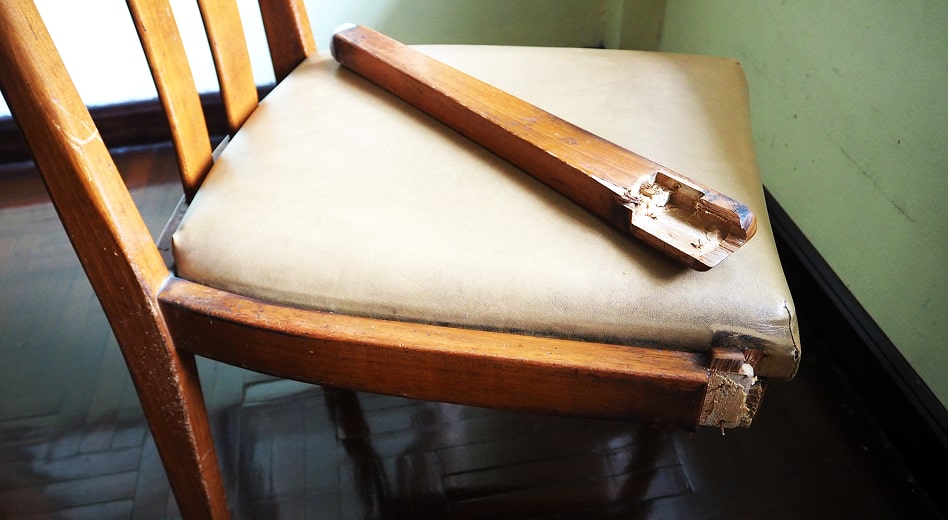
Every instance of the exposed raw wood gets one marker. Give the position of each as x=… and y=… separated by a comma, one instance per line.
x=726, y=359
x=115, y=249
x=753, y=356
x=225, y=34
x=289, y=35
x=734, y=392
x=688, y=221
x=158, y=32
x=438, y=363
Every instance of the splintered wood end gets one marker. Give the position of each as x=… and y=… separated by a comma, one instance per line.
x=693, y=223
x=681, y=217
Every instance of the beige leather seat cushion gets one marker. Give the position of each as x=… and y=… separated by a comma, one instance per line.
x=337, y=196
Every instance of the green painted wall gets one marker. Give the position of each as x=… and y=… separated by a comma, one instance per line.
x=566, y=23
x=523, y=22
x=850, y=112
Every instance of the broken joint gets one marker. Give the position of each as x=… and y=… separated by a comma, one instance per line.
x=733, y=394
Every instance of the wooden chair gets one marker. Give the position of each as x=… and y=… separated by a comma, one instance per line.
x=343, y=238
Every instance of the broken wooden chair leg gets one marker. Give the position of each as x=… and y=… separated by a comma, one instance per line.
x=692, y=223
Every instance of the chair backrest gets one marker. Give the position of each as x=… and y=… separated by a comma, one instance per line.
x=290, y=39
x=84, y=184
x=81, y=177
x=108, y=234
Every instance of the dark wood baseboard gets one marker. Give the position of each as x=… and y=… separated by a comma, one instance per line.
x=899, y=415
x=12, y=146
x=125, y=124
x=121, y=125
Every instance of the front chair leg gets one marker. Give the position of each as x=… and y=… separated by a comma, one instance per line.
x=170, y=392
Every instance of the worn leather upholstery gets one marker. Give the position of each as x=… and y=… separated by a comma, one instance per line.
x=337, y=196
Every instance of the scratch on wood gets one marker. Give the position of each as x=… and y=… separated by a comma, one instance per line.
x=76, y=142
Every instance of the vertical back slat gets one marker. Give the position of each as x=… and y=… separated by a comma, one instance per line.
x=172, y=73
x=289, y=35
x=225, y=34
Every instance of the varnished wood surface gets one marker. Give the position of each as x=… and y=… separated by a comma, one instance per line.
x=73, y=443
x=161, y=41
x=289, y=35
x=115, y=249
x=225, y=35
x=692, y=223
x=438, y=363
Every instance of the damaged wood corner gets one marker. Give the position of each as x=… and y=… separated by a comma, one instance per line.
x=734, y=391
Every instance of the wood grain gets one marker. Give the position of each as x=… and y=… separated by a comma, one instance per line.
x=225, y=35
x=289, y=35
x=289, y=450
x=438, y=363
x=158, y=32
x=115, y=249
x=690, y=222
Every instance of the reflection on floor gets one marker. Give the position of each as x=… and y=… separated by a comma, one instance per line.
x=73, y=443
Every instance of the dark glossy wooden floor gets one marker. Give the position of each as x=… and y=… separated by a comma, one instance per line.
x=73, y=443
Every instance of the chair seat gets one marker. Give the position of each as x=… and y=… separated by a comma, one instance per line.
x=334, y=195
